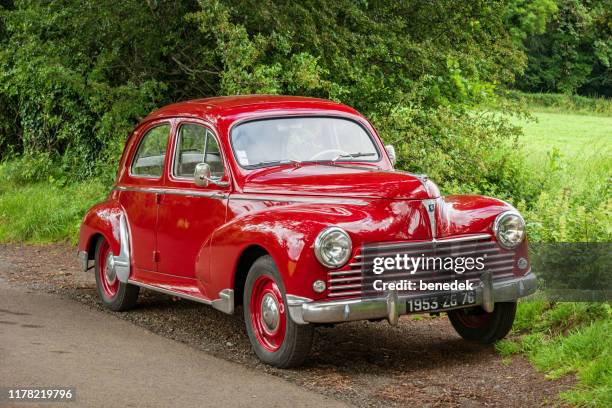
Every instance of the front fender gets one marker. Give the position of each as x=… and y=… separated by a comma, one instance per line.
x=283, y=235
x=471, y=214
x=468, y=214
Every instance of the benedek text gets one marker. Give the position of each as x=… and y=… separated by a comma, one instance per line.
x=405, y=284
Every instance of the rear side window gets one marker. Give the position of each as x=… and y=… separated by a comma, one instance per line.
x=197, y=144
x=149, y=159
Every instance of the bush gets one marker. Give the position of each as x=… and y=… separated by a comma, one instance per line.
x=454, y=147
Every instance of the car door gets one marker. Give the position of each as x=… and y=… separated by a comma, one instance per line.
x=138, y=194
x=188, y=215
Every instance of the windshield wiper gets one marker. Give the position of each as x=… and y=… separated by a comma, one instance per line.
x=275, y=163
x=352, y=156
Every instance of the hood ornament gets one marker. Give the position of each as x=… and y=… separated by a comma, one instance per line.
x=430, y=206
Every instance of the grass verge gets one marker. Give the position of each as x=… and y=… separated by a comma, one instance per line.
x=566, y=338
x=42, y=212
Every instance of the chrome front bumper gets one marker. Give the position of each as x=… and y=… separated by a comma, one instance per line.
x=304, y=311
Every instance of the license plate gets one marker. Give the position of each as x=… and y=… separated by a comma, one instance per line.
x=440, y=302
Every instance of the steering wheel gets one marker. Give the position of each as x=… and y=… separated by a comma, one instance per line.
x=324, y=152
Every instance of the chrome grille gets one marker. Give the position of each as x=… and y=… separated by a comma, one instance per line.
x=348, y=281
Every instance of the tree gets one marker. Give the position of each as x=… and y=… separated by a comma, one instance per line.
x=574, y=54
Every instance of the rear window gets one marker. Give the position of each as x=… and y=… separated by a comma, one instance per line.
x=151, y=154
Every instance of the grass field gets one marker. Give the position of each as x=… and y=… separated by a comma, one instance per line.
x=573, y=156
x=578, y=137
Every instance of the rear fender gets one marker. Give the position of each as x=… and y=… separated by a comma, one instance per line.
x=109, y=221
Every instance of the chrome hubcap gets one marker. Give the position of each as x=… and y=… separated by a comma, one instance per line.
x=270, y=313
x=110, y=272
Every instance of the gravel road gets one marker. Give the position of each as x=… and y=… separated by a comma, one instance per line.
x=420, y=362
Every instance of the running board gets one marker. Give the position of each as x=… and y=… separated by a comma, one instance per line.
x=225, y=303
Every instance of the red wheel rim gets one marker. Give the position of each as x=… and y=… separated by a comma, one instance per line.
x=106, y=271
x=268, y=314
x=472, y=319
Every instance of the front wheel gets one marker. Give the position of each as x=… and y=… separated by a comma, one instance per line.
x=115, y=295
x=276, y=339
x=474, y=324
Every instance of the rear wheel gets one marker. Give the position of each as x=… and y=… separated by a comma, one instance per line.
x=115, y=295
x=275, y=337
x=474, y=324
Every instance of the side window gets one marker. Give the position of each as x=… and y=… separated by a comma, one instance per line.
x=149, y=159
x=197, y=144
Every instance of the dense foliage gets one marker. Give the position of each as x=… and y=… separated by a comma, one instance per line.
x=75, y=76
x=574, y=54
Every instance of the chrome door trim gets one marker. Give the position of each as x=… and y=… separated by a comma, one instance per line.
x=302, y=199
x=175, y=191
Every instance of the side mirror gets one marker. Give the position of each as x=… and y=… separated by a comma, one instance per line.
x=391, y=152
x=201, y=175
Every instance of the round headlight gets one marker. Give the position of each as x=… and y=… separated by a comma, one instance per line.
x=333, y=247
x=509, y=229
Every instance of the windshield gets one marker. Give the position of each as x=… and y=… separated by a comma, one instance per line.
x=273, y=141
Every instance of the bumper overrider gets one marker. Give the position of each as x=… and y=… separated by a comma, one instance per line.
x=392, y=305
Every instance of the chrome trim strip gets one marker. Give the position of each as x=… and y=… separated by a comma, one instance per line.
x=294, y=304
x=491, y=259
x=169, y=292
x=122, y=261
x=351, y=293
x=445, y=240
x=290, y=199
x=175, y=191
x=392, y=308
x=83, y=260
x=225, y=303
x=488, y=298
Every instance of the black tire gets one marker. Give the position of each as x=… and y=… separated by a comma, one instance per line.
x=494, y=326
x=127, y=294
x=297, y=339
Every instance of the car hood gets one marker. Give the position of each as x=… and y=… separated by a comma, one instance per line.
x=340, y=181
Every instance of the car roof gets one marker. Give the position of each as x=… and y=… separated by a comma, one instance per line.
x=228, y=106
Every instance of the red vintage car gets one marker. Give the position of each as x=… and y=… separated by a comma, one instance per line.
x=272, y=203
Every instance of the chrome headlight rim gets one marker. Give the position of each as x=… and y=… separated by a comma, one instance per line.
x=496, y=225
x=320, y=240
